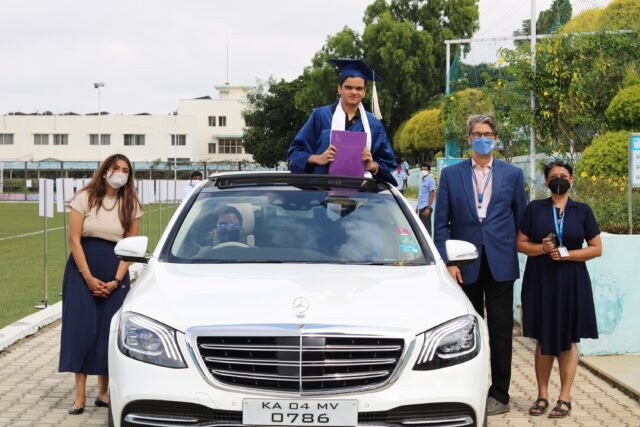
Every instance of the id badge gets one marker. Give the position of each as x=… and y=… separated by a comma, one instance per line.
x=482, y=213
x=564, y=252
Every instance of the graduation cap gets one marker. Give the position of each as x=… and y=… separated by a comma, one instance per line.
x=358, y=68
x=355, y=68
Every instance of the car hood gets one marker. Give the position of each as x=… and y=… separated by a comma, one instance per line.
x=183, y=296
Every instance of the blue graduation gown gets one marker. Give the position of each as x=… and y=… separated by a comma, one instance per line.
x=314, y=136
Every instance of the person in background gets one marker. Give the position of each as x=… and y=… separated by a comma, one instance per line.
x=95, y=282
x=557, y=300
x=405, y=167
x=400, y=177
x=194, y=180
x=426, y=195
x=481, y=200
x=311, y=150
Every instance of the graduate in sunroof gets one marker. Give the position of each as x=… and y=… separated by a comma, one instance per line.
x=311, y=150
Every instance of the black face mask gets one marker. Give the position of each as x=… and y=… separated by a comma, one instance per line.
x=559, y=185
x=227, y=236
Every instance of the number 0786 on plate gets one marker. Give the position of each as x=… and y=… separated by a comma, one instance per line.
x=300, y=412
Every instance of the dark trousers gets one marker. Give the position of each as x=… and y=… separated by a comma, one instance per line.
x=426, y=220
x=497, y=297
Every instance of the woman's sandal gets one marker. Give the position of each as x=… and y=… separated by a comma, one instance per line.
x=558, y=411
x=537, y=409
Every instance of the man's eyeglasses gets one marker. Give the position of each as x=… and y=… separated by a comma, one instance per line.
x=228, y=226
x=478, y=135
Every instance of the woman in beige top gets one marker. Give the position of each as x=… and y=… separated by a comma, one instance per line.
x=95, y=281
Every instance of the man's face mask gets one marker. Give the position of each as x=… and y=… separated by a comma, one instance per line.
x=483, y=146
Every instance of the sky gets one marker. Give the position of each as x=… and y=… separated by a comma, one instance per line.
x=150, y=53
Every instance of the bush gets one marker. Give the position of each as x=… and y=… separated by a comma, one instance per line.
x=608, y=198
x=624, y=109
x=606, y=156
x=588, y=20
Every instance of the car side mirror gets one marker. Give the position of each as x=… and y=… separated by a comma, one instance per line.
x=460, y=252
x=133, y=249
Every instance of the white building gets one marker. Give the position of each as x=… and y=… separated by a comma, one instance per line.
x=203, y=130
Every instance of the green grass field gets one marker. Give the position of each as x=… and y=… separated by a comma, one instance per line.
x=22, y=254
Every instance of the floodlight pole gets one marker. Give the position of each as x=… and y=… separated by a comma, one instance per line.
x=98, y=85
x=532, y=142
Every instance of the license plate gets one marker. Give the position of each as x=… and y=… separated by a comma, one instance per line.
x=281, y=412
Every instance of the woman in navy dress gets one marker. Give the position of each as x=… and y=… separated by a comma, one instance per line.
x=557, y=301
x=95, y=282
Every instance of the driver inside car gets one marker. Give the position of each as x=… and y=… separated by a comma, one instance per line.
x=228, y=226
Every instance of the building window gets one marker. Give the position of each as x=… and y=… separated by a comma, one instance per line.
x=40, y=139
x=131, y=139
x=60, y=139
x=179, y=160
x=222, y=120
x=212, y=121
x=105, y=139
x=6, y=139
x=178, y=139
x=212, y=148
x=230, y=145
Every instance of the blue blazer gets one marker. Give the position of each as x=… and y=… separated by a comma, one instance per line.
x=456, y=217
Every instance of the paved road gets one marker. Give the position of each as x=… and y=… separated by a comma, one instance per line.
x=33, y=393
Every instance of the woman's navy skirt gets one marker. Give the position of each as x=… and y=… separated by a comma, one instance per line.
x=85, y=318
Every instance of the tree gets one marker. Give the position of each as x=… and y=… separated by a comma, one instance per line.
x=423, y=133
x=549, y=20
x=459, y=106
x=320, y=78
x=403, y=41
x=576, y=77
x=272, y=120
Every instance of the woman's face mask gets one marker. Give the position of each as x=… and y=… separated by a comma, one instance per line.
x=559, y=185
x=116, y=179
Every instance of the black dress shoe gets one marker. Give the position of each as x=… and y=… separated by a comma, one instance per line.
x=76, y=411
x=101, y=403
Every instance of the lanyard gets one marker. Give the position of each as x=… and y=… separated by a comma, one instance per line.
x=559, y=225
x=486, y=184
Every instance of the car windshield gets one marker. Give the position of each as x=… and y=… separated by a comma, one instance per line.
x=278, y=225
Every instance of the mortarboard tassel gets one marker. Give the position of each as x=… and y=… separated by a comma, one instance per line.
x=375, y=106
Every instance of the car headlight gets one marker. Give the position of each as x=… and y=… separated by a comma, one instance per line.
x=148, y=341
x=453, y=342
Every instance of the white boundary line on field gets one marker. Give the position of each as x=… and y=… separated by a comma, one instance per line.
x=29, y=234
x=41, y=231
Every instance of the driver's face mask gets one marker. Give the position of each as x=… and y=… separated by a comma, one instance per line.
x=227, y=232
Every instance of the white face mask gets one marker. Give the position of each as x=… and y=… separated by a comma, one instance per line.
x=424, y=173
x=116, y=180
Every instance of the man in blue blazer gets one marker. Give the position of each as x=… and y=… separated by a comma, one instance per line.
x=481, y=200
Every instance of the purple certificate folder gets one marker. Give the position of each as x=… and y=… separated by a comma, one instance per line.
x=348, y=159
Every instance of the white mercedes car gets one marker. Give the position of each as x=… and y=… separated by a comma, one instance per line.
x=275, y=299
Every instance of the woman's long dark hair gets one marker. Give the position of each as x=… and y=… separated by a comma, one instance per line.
x=127, y=195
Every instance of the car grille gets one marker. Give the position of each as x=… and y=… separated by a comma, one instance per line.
x=301, y=364
x=161, y=412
